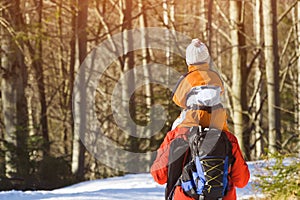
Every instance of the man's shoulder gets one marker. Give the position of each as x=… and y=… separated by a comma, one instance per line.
x=230, y=137
x=177, y=132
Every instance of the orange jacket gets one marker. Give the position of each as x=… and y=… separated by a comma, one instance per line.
x=238, y=174
x=200, y=75
x=216, y=119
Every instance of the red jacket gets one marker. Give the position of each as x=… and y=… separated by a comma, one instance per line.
x=238, y=174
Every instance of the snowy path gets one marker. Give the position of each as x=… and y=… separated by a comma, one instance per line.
x=129, y=187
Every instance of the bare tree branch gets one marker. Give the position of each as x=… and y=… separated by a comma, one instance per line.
x=280, y=18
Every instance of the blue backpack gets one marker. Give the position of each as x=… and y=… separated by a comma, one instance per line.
x=200, y=164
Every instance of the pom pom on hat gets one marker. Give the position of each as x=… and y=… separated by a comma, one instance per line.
x=197, y=52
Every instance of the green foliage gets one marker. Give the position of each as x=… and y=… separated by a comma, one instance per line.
x=282, y=177
x=54, y=173
x=45, y=172
x=11, y=148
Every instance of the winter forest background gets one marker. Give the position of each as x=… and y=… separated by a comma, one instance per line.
x=255, y=46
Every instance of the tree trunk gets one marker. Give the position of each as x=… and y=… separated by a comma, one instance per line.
x=145, y=60
x=167, y=24
x=73, y=62
x=202, y=25
x=38, y=66
x=13, y=84
x=128, y=109
x=66, y=74
x=209, y=23
x=272, y=73
x=146, y=76
x=239, y=76
x=78, y=147
x=36, y=55
x=258, y=80
x=169, y=21
x=298, y=69
x=128, y=64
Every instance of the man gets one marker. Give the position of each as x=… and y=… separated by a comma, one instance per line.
x=201, y=107
x=238, y=173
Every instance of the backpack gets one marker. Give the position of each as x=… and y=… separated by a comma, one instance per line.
x=199, y=164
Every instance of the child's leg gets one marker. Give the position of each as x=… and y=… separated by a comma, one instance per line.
x=216, y=119
x=179, y=119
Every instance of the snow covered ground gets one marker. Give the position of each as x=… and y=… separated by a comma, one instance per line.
x=128, y=187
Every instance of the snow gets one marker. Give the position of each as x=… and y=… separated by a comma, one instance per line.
x=128, y=187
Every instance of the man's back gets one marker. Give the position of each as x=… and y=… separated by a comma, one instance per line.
x=238, y=172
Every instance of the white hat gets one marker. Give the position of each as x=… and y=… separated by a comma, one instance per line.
x=197, y=52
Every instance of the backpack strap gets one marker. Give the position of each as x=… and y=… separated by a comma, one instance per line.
x=178, y=156
x=208, y=137
x=178, y=183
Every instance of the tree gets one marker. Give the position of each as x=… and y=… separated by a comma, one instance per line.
x=36, y=54
x=145, y=60
x=239, y=75
x=272, y=73
x=203, y=26
x=78, y=150
x=13, y=85
x=209, y=22
x=298, y=68
x=126, y=66
x=257, y=116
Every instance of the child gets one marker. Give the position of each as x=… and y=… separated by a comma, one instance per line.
x=200, y=89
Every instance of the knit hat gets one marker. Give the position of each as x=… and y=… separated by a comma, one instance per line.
x=197, y=52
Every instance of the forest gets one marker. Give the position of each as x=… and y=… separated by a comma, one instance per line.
x=86, y=85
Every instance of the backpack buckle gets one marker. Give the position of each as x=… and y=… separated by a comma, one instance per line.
x=201, y=197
